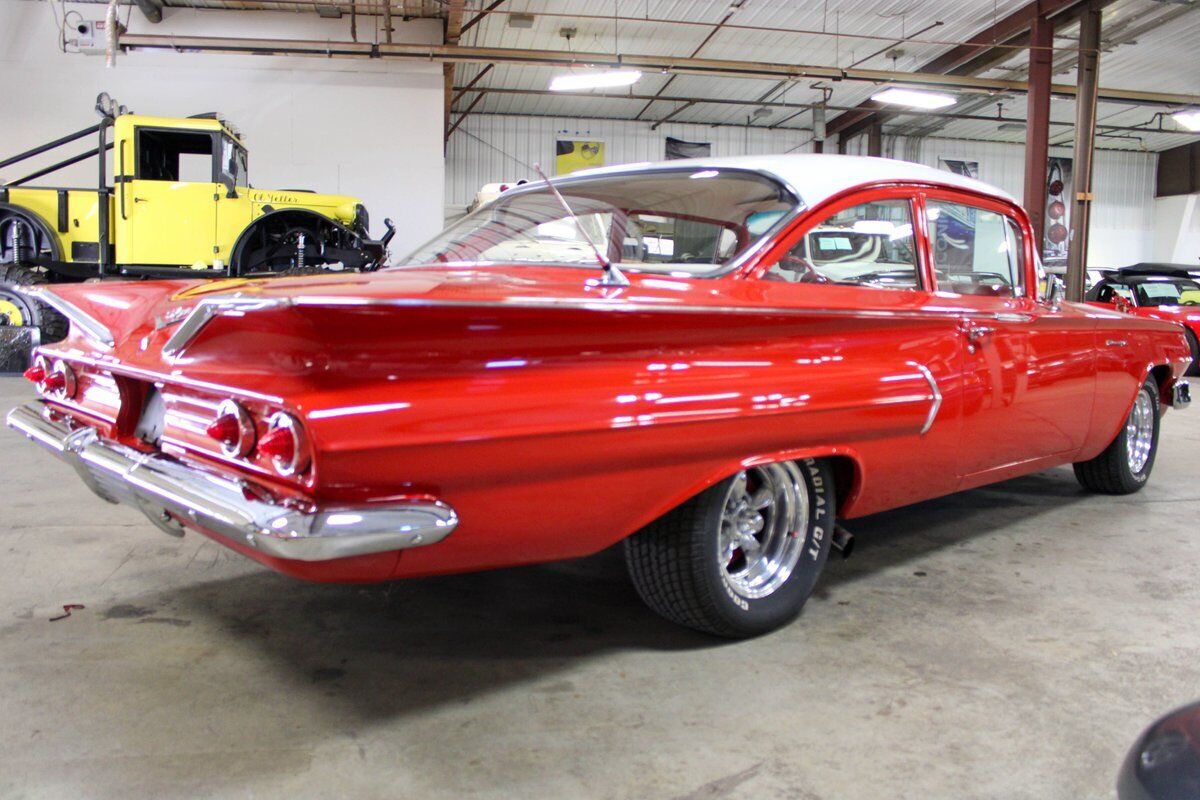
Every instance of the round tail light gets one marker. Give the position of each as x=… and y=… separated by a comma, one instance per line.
x=285, y=444
x=233, y=429
x=57, y=379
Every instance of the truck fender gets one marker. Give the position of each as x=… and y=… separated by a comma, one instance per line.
x=300, y=214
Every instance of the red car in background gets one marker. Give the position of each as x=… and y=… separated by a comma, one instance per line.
x=654, y=355
x=1169, y=292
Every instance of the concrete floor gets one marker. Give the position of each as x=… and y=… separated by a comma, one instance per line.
x=1003, y=643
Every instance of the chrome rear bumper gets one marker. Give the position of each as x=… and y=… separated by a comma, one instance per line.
x=167, y=490
x=1181, y=396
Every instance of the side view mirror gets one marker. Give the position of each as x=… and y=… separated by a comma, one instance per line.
x=1055, y=291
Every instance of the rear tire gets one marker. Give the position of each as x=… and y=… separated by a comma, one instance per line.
x=742, y=557
x=19, y=309
x=1125, y=465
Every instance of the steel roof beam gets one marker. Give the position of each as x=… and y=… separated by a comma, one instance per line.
x=981, y=52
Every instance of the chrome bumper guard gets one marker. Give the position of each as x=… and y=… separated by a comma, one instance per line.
x=166, y=489
x=1181, y=394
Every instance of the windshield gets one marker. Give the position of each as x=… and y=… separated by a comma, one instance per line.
x=1168, y=292
x=676, y=221
x=233, y=162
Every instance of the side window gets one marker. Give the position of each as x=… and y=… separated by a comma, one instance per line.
x=174, y=156
x=975, y=251
x=870, y=244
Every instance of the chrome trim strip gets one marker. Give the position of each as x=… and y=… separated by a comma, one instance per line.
x=216, y=305
x=937, y=396
x=86, y=322
x=209, y=308
x=230, y=507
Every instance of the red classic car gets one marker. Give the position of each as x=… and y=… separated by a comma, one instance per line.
x=1169, y=292
x=659, y=355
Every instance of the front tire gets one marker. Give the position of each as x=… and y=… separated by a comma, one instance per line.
x=1125, y=465
x=742, y=557
x=1194, y=346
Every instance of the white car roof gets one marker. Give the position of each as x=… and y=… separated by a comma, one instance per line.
x=816, y=177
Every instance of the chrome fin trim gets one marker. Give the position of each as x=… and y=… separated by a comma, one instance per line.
x=936, y=403
x=209, y=309
x=77, y=316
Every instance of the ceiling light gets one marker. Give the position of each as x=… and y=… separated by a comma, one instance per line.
x=1188, y=118
x=1017, y=127
x=913, y=98
x=574, y=81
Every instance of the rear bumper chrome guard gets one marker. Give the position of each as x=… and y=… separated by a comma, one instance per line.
x=167, y=490
x=1181, y=394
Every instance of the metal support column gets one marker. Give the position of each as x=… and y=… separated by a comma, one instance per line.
x=1037, y=124
x=1085, y=147
x=875, y=139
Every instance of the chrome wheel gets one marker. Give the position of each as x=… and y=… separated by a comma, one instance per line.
x=1139, y=432
x=764, y=525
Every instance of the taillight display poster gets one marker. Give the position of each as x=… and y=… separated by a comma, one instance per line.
x=573, y=154
x=1058, y=211
x=968, y=169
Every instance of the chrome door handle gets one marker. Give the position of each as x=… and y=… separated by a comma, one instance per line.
x=975, y=334
x=1116, y=343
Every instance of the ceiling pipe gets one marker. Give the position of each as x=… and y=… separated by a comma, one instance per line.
x=664, y=64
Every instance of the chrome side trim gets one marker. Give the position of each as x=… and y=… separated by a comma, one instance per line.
x=85, y=321
x=209, y=308
x=937, y=396
x=167, y=490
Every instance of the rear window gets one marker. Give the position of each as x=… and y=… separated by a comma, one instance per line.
x=692, y=222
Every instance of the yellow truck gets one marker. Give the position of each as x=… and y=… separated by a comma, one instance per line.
x=179, y=204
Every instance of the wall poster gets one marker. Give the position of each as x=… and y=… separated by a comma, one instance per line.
x=573, y=154
x=969, y=169
x=1058, y=212
x=678, y=148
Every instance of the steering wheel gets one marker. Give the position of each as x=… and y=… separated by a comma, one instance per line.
x=808, y=272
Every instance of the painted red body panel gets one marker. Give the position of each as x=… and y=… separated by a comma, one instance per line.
x=557, y=416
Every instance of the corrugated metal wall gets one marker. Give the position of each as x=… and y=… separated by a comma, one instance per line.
x=492, y=147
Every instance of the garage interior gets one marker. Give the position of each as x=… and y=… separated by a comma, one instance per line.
x=1007, y=642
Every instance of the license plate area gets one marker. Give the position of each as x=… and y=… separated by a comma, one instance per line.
x=153, y=418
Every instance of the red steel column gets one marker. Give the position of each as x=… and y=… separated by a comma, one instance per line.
x=1037, y=124
x=875, y=139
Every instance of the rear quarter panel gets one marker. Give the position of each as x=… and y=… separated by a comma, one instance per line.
x=1128, y=350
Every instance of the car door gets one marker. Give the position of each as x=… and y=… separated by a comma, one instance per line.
x=857, y=264
x=170, y=208
x=1028, y=369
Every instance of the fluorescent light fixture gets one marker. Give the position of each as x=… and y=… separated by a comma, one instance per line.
x=913, y=98
x=1188, y=118
x=574, y=81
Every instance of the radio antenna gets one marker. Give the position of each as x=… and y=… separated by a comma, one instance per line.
x=612, y=275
